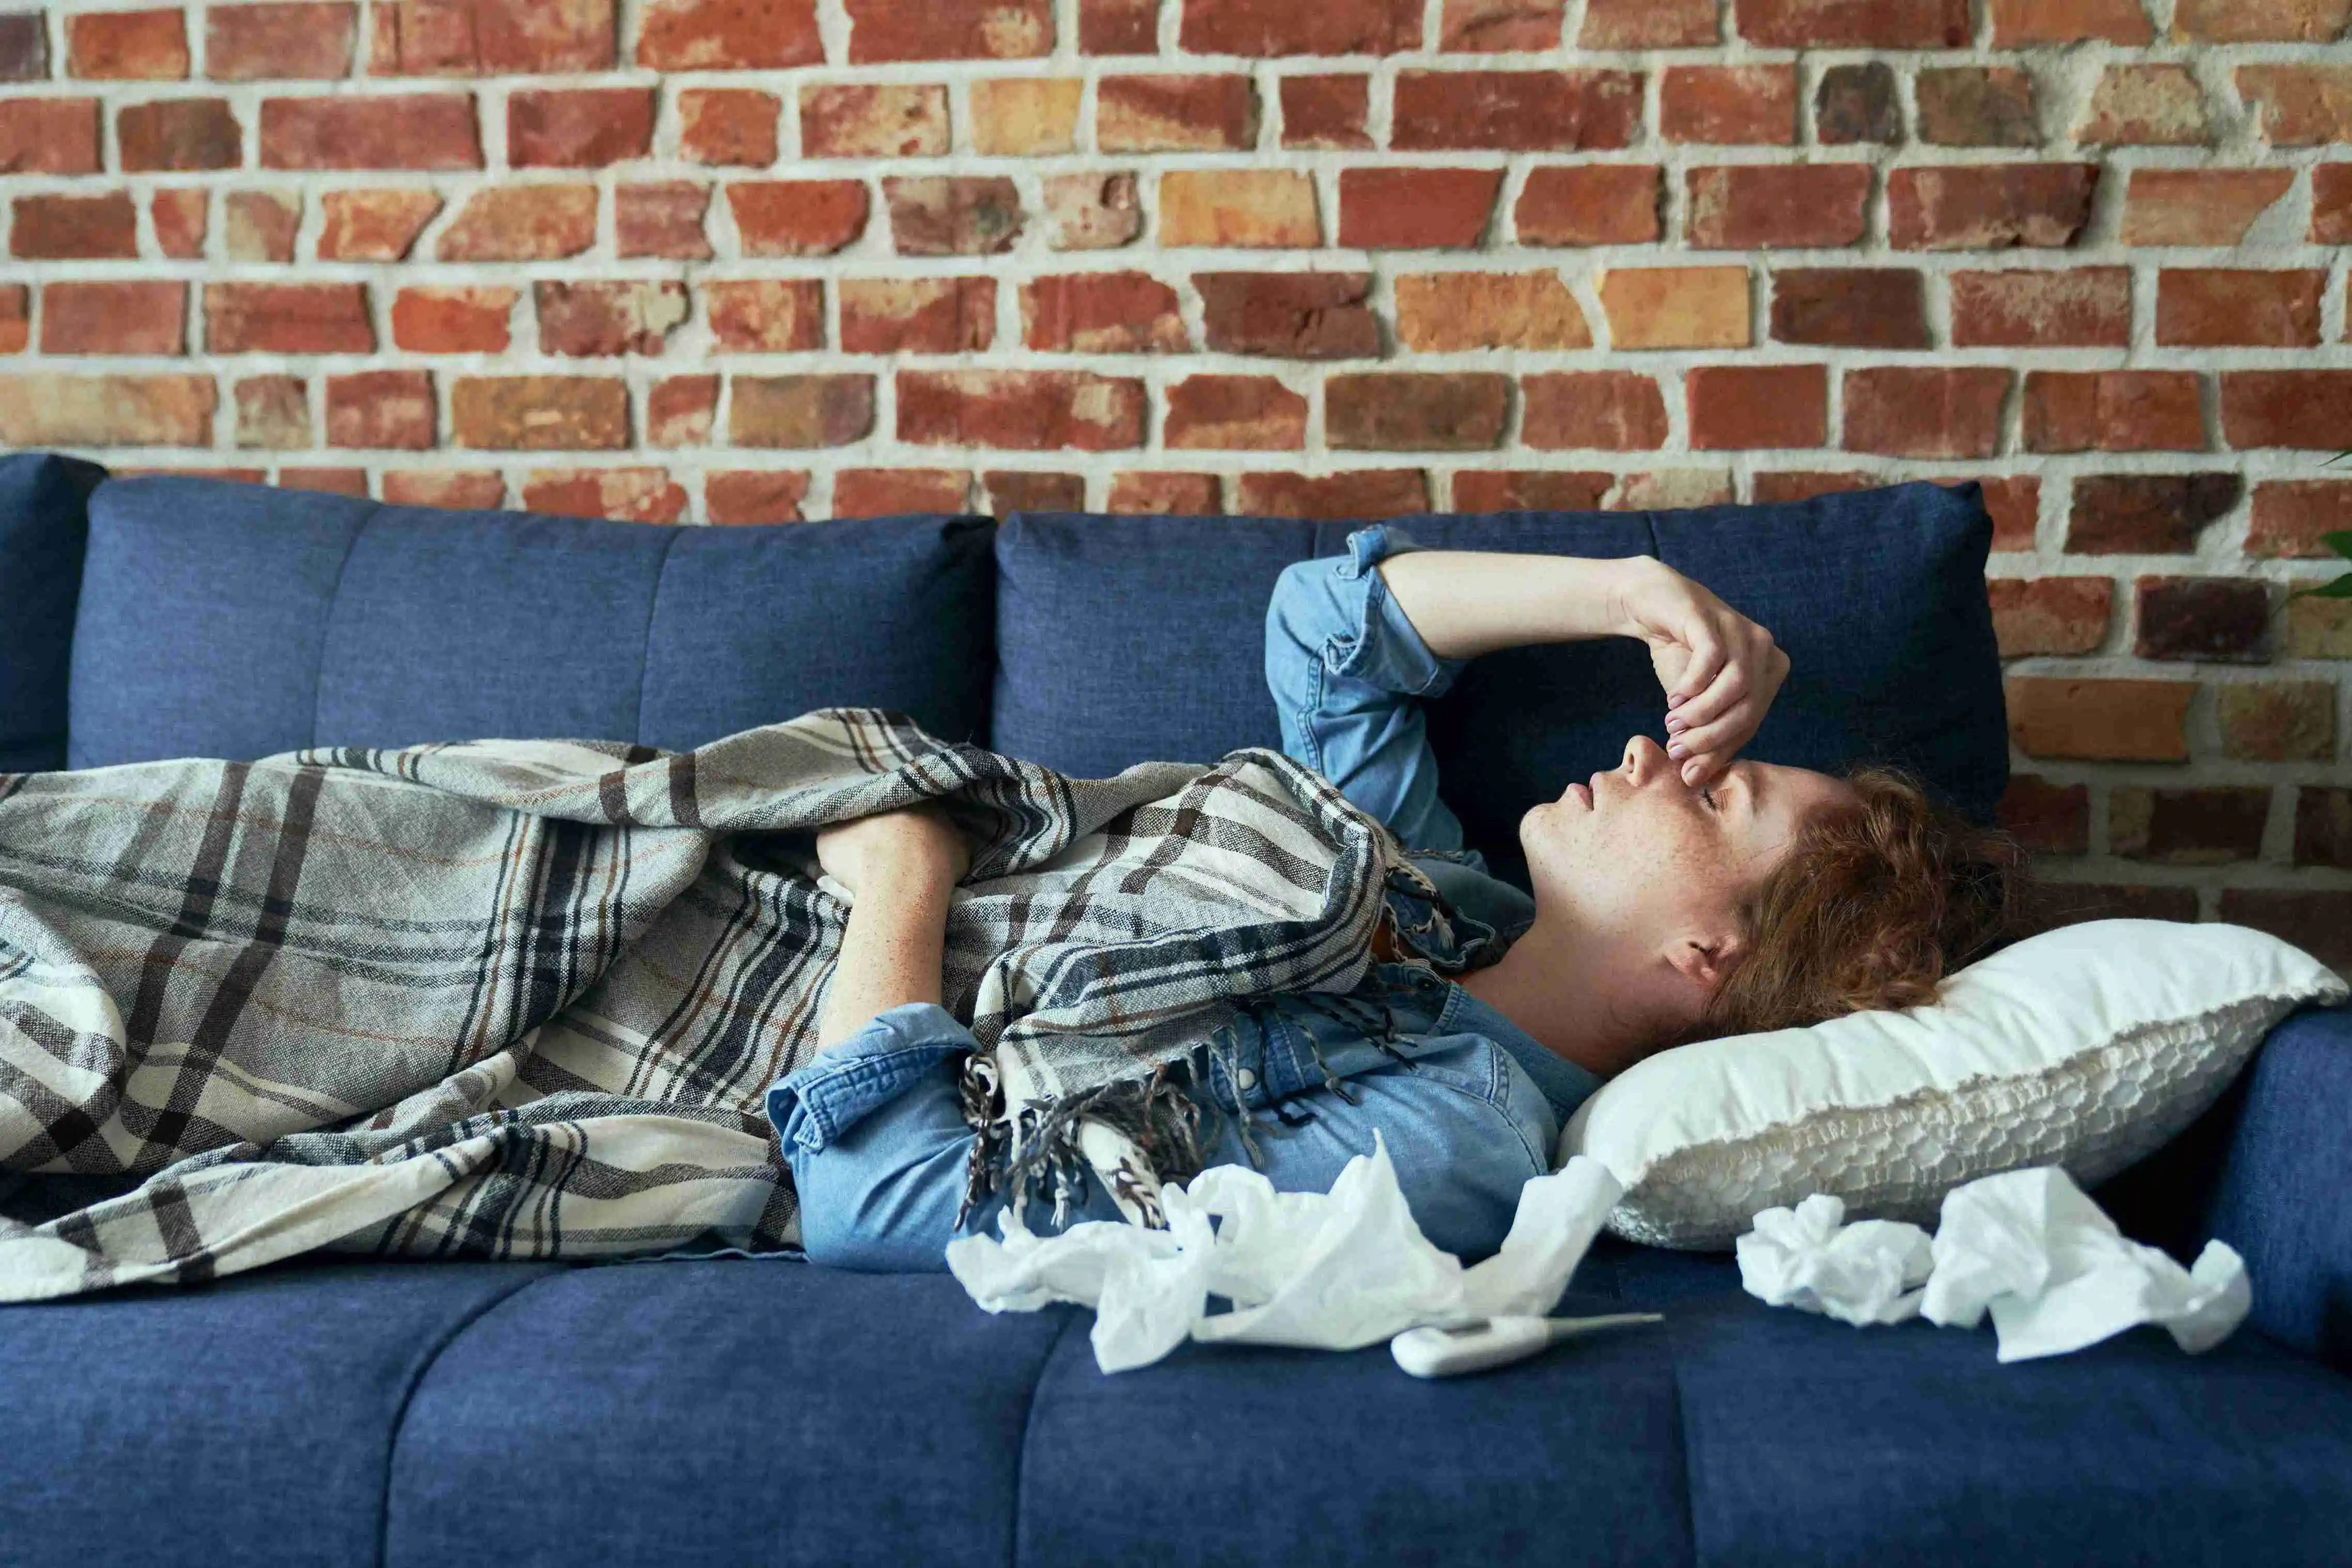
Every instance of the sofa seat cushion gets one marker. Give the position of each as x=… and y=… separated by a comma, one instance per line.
x=225, y=619
x=249, y=1420
x=1122, y=640
x=723, y=1412
x=43, y=522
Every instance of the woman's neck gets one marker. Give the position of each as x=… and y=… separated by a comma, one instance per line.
x=1568, y=990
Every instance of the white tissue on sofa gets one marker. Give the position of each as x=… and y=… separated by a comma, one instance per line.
x=1333, y=1271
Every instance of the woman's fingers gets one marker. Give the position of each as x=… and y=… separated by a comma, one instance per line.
x=1707, y=661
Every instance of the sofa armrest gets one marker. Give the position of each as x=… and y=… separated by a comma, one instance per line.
x=2283, y=1195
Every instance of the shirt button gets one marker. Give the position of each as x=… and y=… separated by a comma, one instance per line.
x=1246, y=1079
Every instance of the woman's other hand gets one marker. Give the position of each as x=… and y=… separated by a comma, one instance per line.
x=915, y=843
x=1720, y=669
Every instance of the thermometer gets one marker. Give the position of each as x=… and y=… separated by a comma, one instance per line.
x=1493, y=1341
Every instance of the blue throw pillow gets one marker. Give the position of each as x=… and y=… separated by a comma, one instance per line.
x=44, y=522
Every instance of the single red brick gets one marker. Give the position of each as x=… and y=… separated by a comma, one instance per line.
x=1235, y=414
x=1853, y=23
x=1175, y=113
x=798, y=217
x=1500, y=26
x=1118, y=27
x=252, y=43
x=1805, y=483
x=1866, y=307
x=1739, y=407
x=2276, y=721
x=114, y=319
x=2211, y=618
x=2218, y=306
x=182, y=216
x=1102, y=313
x=1289, y=315
x=2146, y=105
x=2199, y=206
x=591, y=319
x=287, y=318
x=1093, y=211
x=2319, y=922
x=260, y=225
x=2323, y=827
x=1415, y=209
x=1744, y=206
x=376, y=224
x=1263, y=208
x=662, y=217
x=1011, y=490
x=2099, y=720
x=1530, y=490
x=388, y=409
x=1922, y=411
x=1516, y=111
x=953, y=216
x=24, y=47
x=2299, y=105
x=471, y=489
x=918, y=315
x=1020, y=411
x=2287, y=408
x=49, y=136
x=74, y=228
x=766, y=315
x=1326, y=112
x=1647, y=24
x=2145, y=514
x=2048, y=819
x=579, y=128
x=1359, y=492
x=617, y=495
x=2331, y=203
x=869, y=120
x=1166, y=495
x=489, y=37
x=884, y=30
x=729, y=34
x=415, y=130
x=1857, y=103
x=2257, y=21
x=1976, y=106
x=892, y=492
x=2050, y=614
x=2208, y=826
x=1593, y=203
x=1265, y=28
x=1724, y=104
x=2081, y=306
x=1601, y=410
x=2113, y=411
x=752, y=496
x=540, y=414
x=682, y=411
x=2015, y=505
x=42, y=410
x=1461, y=411
x=2021, y=21
x=149, y=45
x=1989, y=207
x=802, y=412
x=522, y=222
x=179, y=134
x=329, y=481
x=727, y=125
x=2292, y=515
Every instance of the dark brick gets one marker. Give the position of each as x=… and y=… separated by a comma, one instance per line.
x=2323, y=826
x=1857, y=103
x=24, y=47
x=1289, y=315
x=1851, y=307
x=2047, y=818
x=2320, y=922
x=2056, y=904
x=2189, y=826
x=1976, y=106
x=2208, y=618
x=2147, y=514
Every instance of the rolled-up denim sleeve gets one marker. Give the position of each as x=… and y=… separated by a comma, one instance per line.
x=1347, y=671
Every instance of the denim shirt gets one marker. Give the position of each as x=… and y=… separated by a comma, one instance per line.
x=1468, y=1104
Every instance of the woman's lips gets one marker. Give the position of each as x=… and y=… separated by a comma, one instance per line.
x=1583, y=792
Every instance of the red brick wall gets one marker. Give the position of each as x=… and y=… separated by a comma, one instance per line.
x=755, y=260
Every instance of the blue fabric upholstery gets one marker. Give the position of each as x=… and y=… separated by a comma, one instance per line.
x=246, y=1421
x=44, y=524
x=237, y=621
x=1124, y=639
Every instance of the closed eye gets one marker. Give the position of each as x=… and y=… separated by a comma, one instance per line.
x=1707, y=795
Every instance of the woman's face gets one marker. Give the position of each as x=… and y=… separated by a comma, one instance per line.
x=1636, y=853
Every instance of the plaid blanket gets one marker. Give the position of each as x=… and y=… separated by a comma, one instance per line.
x=524, y=998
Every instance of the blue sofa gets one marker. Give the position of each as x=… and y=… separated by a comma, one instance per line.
x=733, y=1412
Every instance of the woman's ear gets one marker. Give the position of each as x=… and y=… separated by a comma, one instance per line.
x=1704, y=959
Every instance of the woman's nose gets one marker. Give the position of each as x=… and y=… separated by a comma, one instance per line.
x=1644, y=761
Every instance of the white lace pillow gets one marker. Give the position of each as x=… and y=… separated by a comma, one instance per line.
x=2086, y=1047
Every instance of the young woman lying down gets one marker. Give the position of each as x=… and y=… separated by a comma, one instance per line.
x=1685, y=894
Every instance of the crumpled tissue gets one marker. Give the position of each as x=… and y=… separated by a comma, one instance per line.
x=1334, y=1271
x=2026, y=1245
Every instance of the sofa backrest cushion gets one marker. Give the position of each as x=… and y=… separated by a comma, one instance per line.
x=229, y=619
x=1124, y=639
x=44, y=521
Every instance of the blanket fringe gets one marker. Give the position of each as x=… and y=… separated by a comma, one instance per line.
x=1159, y=1114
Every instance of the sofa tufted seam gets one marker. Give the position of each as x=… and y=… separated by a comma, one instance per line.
x=1682, y=1445
x=1028, y=1425
x=327, y=622
x=646, y=653
x=408, y=1394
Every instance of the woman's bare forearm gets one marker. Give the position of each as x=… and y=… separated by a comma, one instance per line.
x=894, y=949
x=1467, y=602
